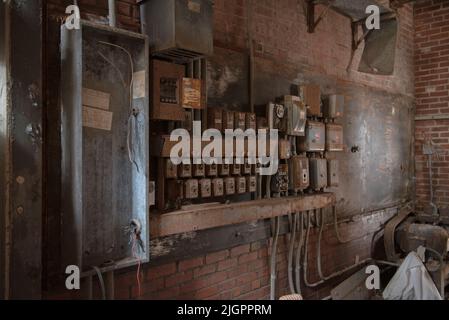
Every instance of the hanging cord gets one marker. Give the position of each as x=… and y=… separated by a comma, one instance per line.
x=136, y=256
x=298, y=254
x=334, y=211
x=101, y=281
x=318, y=256
x=306, y=253
x=290, y=254
x=133, y=113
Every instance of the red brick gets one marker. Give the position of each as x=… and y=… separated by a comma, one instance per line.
x=216, y=256
x=190, y=264
x=240, y=250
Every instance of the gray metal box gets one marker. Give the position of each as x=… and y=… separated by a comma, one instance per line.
x=178, y=29
x=332, y=173
x=318, y=173
x=333, y=106
x=314, y=140
x=296, y=115
x=334, y=137
x=298, y=173
x=103, y=191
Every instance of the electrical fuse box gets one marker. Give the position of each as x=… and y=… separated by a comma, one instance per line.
x=205, y=188
x=240, y=120
x=185, y=171
x=228, y=120
x=311, y=96
x=318, y=173
x=314, y=140
x=277, y=117
x=298, y=173
x=334, y=137
x=217, y=187
x=333, y=106
x=284, y=149
x=212, y=170
x=199, y=170
x=251, y=121
x=224, y=169
x=236, y=169
x=166, y=97
x=332, y=173
x=247, y=168
x=171, y=170
x=191, y=189
x=191, y=93
x=251, y=184
x=229, y=186
x=240, y=183
x=215, y=119
x=279, y=182
x=296, y=115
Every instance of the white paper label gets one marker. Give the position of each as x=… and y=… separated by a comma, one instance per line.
x=139, y=84
x=97, y=119
x=96, y=99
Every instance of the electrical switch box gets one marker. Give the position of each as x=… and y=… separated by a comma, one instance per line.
x=277, y=117
x=298, y=173
x=171, y=170
x=334, y=137
x=240, y=183
x=333, y=106
x=185, y=171
x=191, y=189
x=224, y=169
x=167, y=85
x=284, y=149
x=212, y=170
x=199, y=170
x=239, y=120
x=229, y=184
x=296, y=115
x=217, y=187
x=279, y=182
x=215, y=119
x=251, y=184
x=180, y=30
x=205, y=188
x=332, y=173
x=251, y=121
x=236, y=169
x=318, y=173
x=228, y=120
x=314, y=140
x=311, y=96
x=247, y=167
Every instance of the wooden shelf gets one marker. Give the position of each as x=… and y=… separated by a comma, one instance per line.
x=207, y=216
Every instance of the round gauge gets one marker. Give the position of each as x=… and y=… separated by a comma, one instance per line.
x=280, y=111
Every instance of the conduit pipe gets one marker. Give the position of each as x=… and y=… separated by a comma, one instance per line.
x=298, y=253
x=273, y=259
x=112, y=15
x=290, y=254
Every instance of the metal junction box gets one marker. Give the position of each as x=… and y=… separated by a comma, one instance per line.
x=284, y=149
x=333, y=106
x=314, y=140
x=279, y=182
x=298, y=173
x=296, y=116
x=104, y=192
x=212, y=170
x=318, y=173
x=240, y=183
x=332, y=173
x=199, y=170
x=251, y=184
x=205, y=188
x=251, y=121
x=229, y=186
x=334, y=137
x=217, y=187
x=277, y=117
x=191, y=189
x=311, y=96
x=178, y=29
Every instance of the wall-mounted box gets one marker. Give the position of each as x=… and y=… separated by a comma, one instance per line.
x=191, y=94
x=215, y=119
x=310, y=94
x=178, y=29
x=205, y=186
x=298, y=173
x=240, y=120
x=334, y=137
x=236, y=169
x=217, y=187
x=102, y=190
x=279, y=182
x=171, y=170
x=185, y=171
x=277, y=117
x=247, y=168
x=166, y=98
x=314, y=140
x=251, y=184
x=318, y=173
x=212, y=170
x=191, y=189
x=333, y=106
x=199, y=170
x=229, y=186
x=296, y=115
x=251, y=121
x=285, y=151
x=240, y=183
x=224, y=169
x=333, y=179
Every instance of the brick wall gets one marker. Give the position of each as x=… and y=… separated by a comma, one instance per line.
x=432, y=97
x=279, y=35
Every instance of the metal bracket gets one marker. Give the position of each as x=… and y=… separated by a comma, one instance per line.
x=310, y=13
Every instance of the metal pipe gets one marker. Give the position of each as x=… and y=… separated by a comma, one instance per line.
x=432, y=204
x=112, y=14
x=273, y=259
x=334, y=211
x=290, y=254
x=298, y=254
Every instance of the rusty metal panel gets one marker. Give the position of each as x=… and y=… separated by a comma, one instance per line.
x=25, y=176
x=103, y=190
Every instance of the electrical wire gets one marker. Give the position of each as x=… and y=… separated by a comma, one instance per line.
x=136, y=256
x=334, y=211
x=290, y=254
x=298, y=254
x=273, y=259
x=101, y=281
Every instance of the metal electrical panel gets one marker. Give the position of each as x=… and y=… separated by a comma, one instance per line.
x=199, y=170
x=229, y=186
x=314, y=140
x=318, y=173
x=205, y=186
x=311, y=95
x=212, y=170
x=298, y=173
x=279, y=182
x=296, y=116
x=277, y=117
x=333, y=106
x=334, y=137
x=191, y=189
x=178, y=29
x=251, y=184
x=103, y=191
x=332, y=173
x=240, y=183
x=217, y=187
x=284, y=149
